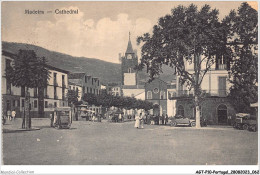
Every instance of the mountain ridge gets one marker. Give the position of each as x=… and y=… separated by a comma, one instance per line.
x=107, y=72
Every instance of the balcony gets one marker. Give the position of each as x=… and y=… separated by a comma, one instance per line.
x=205, y=93
x=222, y=67
x=182, y=93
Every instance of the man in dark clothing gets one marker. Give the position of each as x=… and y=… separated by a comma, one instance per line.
x=166, y=119
x=163, y=118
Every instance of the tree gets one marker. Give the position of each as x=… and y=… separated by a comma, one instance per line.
x=28, y=71
x=91, y=99
x=242, y=33
x=72, y=96
x=187, y=35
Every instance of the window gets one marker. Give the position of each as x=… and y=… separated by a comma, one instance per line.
x=162, y=95
x=54, y=79
x=22, y=103
x=18, y=103
x=55, y=92
x=23, y=91
x=83, y=89
x=156, y=90
x=87, y=89
x=35, y=92
x=8, y=105
x=129, y=70
x=90, y=90
x=149, y=95
x=46, y=104
x=55, y=104
x=45, y=93
x=8, y=86
x=35, y=103
x=63, y=93
x=98, y=82
x=180, y=110
x=63, y=80
x=222, y=86
x=92, y=81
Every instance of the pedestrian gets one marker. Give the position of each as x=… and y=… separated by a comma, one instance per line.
x=142, y=120
x=166, y=119
x=158, y=119
x=52, y=119
x=13, y=114
x=9, y=115
x=163, y=119
x=137, y=121
x=120, y=117
x=93, y=117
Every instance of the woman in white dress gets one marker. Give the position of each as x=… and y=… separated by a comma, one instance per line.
x=137, y=121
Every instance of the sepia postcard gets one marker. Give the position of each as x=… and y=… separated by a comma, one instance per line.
x=109, y=84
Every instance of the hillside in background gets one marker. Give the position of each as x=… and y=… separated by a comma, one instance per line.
x=105, y=71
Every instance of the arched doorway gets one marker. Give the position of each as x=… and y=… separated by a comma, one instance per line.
x=156, y=109
x=222, y=114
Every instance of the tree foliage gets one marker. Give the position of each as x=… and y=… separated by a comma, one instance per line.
x=28, y=71
x=108, y=100
x=243, y=34
x=186, y=35
x=72, y=96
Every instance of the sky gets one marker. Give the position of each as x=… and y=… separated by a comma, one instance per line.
x=100, y=30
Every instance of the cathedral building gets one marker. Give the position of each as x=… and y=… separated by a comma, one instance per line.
x=130, y=85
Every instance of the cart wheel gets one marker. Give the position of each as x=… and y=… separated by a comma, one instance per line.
x=173, y=124
x=253, y=128
x=193, y=124
x=234, y=125
x=245, y=127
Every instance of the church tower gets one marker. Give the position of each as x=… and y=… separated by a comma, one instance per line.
x=128, y=62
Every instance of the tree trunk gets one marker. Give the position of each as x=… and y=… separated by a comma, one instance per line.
x=27, y=106
x=197, y=111
x=41, y=102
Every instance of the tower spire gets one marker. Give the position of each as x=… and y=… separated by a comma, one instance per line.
x=129, y=46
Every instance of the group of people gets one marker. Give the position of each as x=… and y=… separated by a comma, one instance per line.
x=116, y=117
x=149, y=119
x=139, y=121
x=11, y=115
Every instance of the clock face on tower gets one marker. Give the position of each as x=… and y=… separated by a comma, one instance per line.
x=129, y=56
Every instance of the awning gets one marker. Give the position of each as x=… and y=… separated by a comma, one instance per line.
x=254, y=105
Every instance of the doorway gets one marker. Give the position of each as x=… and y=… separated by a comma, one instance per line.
x=222, y=114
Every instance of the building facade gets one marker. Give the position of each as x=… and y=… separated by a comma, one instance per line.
x=156, y=92
x=89, y=85
x=13, y=98
x=215, y=106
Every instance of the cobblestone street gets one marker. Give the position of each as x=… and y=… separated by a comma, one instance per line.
x=88, y=143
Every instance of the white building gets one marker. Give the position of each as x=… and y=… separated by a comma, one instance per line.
x=54, y=93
